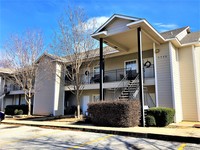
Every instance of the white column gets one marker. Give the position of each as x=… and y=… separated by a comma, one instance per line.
x=155, y=73
x=196, y=65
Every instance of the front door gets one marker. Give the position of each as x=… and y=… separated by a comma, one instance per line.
x=84, y=103
x=130, y=69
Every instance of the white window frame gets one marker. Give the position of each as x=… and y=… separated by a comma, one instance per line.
x=129, y=61
x=93, y=95
x=94, y=69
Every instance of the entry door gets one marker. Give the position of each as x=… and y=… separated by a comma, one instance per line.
x=84, y=103
x=130, y=69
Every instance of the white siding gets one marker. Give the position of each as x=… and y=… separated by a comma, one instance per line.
x=44, y=90
x=164, y=76
x=1, y=91
x=196, y=55
x=188, y=91
x=59, y=93
x=181, y=35
x=118, y=25
x=176, y=89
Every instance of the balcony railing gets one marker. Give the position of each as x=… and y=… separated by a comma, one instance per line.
x=149, y=72
x=11, y=87
x=114, y=75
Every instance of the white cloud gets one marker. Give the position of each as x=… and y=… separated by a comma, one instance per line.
x=165, y=27
x=95, y=22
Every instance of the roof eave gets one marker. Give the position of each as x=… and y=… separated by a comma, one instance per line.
x=177, y=43
x=111, y=18
x=143, y=23
x=99, y=35
x=191, y=43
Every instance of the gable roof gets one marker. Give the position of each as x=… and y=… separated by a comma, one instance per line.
x=6, y=70
x=172, y=33
x=191, y=38
x=45, y=54
x=116, y=16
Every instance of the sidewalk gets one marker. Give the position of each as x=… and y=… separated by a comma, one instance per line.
x=176, y=132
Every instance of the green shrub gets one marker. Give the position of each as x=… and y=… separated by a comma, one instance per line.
x=10, y=109
x=115, y=113
x=20, y=112
x=150, y=121
x=16, y=112
x=163, y=116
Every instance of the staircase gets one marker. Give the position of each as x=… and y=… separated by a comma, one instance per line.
x=131, y=90
x=148, y=101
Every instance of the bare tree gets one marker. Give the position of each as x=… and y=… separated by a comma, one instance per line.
x=73, y=42
x=20, y=55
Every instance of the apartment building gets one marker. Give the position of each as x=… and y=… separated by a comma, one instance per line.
x=169, y=63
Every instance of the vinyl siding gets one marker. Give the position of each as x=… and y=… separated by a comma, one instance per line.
x=44, y=90
x=59, y=93
x=164, y=76
x=118, y=25
x=181, y=35
x=188, y=91
x=118, y=61
x=196, y=54
x=176, y=89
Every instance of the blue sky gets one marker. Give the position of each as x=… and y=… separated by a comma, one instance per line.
x=16, y=16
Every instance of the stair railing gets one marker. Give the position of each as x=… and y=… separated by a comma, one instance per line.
x=133, y=94
x=148, y=99
x=122, y=84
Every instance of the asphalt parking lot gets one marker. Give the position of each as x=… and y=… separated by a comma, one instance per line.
x=27, y=137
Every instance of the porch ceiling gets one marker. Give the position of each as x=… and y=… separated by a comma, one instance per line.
x=127, y=41
x=124, y=37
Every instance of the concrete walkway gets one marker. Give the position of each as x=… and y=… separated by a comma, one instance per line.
x=176, y=132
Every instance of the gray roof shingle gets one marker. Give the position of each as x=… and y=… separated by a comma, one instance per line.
x=191, y=37
x=172, y=33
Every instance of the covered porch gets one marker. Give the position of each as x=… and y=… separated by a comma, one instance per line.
x=128, y=35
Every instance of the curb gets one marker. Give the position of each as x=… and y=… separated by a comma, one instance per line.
x=174, y=138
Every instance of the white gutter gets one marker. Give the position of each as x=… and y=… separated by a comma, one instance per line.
x=100, y=34
x=146, y=23
x=179, y=43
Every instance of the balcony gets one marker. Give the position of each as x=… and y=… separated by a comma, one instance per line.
x=12, y=89
x=115, y=75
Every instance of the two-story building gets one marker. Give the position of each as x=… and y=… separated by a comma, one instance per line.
x=169, y=64
x=10, y=94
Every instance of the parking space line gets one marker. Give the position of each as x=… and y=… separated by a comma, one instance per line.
x=181, y=147
x=90, y=142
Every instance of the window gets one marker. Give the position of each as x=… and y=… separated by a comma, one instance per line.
x=96, y=70
x=130, y=69
x=131, y=65
x=23, y=101
x=95, y=98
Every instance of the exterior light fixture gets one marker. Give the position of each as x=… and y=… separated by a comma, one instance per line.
x=157, y=50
